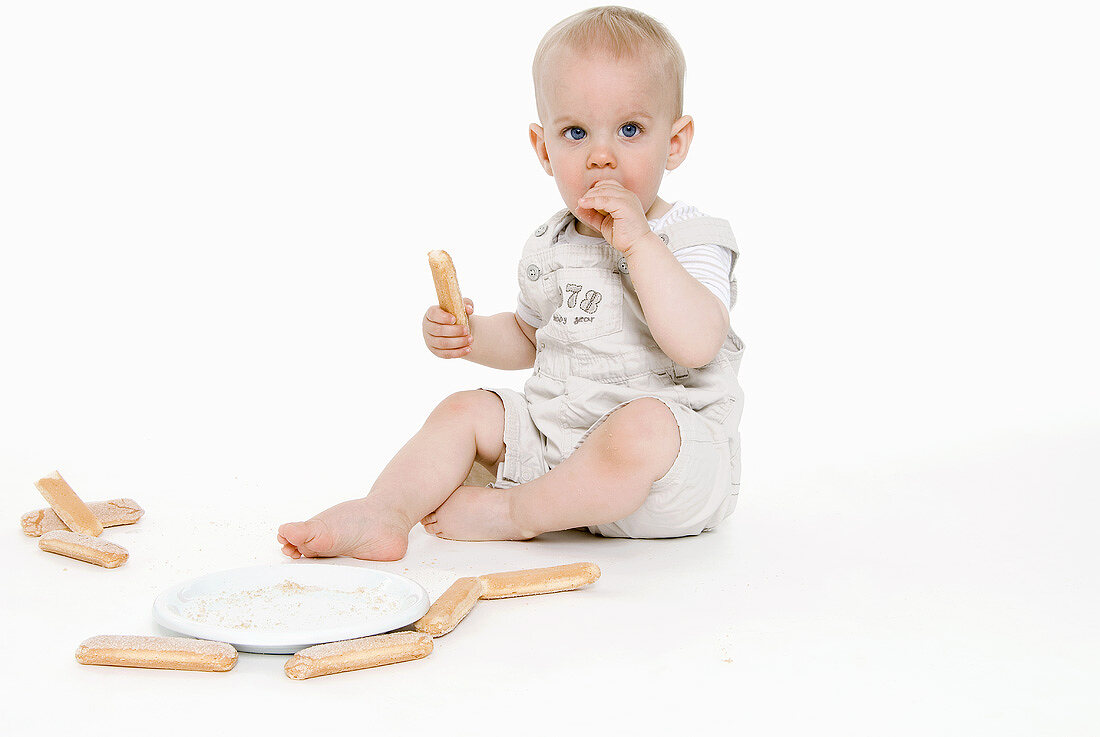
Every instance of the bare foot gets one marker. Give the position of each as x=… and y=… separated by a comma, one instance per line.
x=475, y=513
x=357, y=529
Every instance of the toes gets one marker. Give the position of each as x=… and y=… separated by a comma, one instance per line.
x=292, y=533
x=297, y=537
x=301, y=534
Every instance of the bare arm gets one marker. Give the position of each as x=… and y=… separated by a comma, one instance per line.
x=687, y=320
x=502, y=341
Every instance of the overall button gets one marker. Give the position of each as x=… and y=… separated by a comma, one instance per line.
x=622, y=265
x=541, y=229
x=533, y=272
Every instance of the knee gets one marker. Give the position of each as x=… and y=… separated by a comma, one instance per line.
x=465, y=404
x=642, y=432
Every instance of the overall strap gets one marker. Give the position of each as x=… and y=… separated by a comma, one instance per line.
x=700, y=231
x=545, y=233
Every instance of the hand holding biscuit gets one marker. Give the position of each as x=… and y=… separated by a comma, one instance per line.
x=443, y=336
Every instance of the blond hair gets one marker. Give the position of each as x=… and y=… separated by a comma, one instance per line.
x=622, y=32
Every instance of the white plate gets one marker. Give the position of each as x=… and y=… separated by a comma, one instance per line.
x=261, y=609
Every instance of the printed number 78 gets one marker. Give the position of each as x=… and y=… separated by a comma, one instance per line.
x=591, y=301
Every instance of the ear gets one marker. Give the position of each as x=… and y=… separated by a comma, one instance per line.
x=538, y=141
x=683, y=130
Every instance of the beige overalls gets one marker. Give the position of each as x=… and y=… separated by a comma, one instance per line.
x=595, y=353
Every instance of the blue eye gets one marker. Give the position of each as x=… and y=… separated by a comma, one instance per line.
x=629, y=130
x=571, y=137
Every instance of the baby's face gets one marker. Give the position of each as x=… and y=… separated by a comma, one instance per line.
x=606, y=118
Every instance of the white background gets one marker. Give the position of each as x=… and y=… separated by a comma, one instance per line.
x=214, y=220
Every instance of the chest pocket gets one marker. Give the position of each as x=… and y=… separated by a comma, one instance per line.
x=583, y=304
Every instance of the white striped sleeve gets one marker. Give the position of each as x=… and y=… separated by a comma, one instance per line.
x=711, y=265
x=526, y=313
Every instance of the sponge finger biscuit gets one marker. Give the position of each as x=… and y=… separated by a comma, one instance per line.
x=364, y=652
x=446, y=286
x=450, y=608
x=171, y=653
x=69, y=507
x=538, y=580
x=110, y=513
x=89, y=549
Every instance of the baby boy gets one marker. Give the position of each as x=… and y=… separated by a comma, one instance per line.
x=628, y=425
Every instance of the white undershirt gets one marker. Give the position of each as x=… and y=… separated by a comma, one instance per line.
x=711, y=265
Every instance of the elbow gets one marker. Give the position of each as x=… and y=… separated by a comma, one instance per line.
x=693, y=349
x=700, y=360
x=699, y=356
x=708, y=350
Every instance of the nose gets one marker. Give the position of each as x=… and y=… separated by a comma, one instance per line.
x=600, y=155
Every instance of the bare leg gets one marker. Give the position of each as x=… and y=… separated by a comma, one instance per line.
x=435, y=462
x=606, y=478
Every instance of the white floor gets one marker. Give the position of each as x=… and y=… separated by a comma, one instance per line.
x=214, y=222
x=950, y=597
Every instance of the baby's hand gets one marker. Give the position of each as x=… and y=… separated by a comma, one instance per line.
x=443, y=336
x=616, y=212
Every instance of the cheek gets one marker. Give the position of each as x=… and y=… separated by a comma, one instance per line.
x=648, y=175
x=656, y=158
x=567, y=171
x=562, y=163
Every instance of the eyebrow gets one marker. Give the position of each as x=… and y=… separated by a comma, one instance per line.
x=628, y=116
